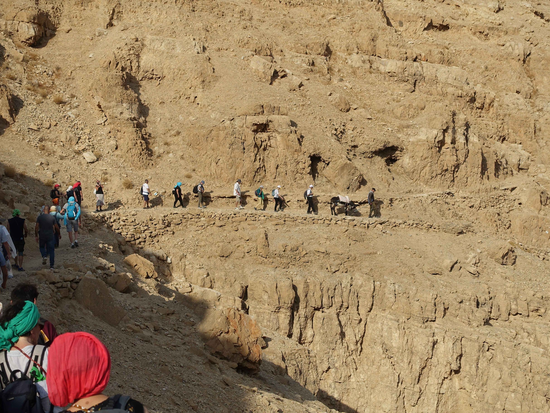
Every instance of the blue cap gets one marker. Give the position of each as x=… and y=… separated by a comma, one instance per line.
x=178, y=184
x=71, y=199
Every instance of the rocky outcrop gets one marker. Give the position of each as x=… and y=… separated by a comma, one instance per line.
x=28, y=23
x=234, y=336
x=7, y=112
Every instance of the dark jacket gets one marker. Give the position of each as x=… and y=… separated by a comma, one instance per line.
x=370, y=199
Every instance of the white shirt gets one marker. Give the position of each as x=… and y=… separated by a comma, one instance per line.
x=237, y=189
x=6, y=237
x=309, y=193
x=276, y=193
x=145, y=189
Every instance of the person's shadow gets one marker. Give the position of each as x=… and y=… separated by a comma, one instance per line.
x=377, y=208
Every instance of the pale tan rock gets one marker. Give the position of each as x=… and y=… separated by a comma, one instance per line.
x=7, y=113
x=140, y=265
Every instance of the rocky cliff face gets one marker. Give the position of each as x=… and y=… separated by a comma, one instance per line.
x=438, y=304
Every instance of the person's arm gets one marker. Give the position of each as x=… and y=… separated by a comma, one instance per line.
x=25, y=230
x=36, y=228
x=78, y=211
x=56, y=229
x=7, y=247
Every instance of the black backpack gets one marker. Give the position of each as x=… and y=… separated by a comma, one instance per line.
x=196, y=189
x=19, y=394
x=305, y=195
x=53, y=194
x=117, y=404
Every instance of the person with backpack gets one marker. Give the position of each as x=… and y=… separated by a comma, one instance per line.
x=55, y=194
x=309, y=198
x=23, y=362
x=177, y=195
x=261, y=198
x=77, y=189
x=100, y=196
x=237, y=194
x=70, y=192
x=277, y=198
x=145, y=194
x=200, y=192
x=71, y=215
x=58, y=217
x=17, y=227
x=29, y=292
x=79, y=371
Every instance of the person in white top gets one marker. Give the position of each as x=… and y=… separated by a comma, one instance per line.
x=19, y=332
x=277, y=198
x=309, y=195
x=145, y=194
x=237, y=194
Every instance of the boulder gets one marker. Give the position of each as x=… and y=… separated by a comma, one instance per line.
x=93, y=294
x=340, y=102
x=503, y=253
x=141, y=265
x=264, y=69
x=120, y=282
x=7, y=112
x=234, y=336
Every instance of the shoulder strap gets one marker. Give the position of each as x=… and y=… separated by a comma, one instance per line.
x=5, y=370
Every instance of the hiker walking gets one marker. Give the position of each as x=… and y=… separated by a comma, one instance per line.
x=71, y=211
x=200, y=192
x=261, y=198
x=370, y=200
x=177, y=195
x=277, y=198
x=17, y=227
x=70, y=192
x=8, y=249
x=309, y=198
x=46, y=231
x=77, y=189
x=55, y=194
x=145, y=194
x=58, y=217
x=237, y=194
x=99, y=196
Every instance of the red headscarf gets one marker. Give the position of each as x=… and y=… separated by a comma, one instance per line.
x=79, y=366
x=76, y=185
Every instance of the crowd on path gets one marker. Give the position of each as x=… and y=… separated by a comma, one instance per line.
x=280, y=202
x=43, y=372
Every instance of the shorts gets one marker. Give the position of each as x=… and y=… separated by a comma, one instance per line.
x=72, y=225
x=19, y=247
x=146, y=198
x=238, y=198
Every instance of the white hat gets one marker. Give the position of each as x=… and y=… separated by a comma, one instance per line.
x=311, y=186
x=278, y=186
x=261, y=186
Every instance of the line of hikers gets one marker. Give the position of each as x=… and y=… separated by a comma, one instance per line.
x=43, y=372
x=280, y=202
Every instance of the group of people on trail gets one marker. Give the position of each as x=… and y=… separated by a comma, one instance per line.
x=42, y=372
x=280, y=202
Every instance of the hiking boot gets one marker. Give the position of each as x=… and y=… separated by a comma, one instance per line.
x=44, y=260
x=72, y=246
x=75, y=243
x=10, y=276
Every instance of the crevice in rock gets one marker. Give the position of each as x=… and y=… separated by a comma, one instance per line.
x=390, y=154
x=440, y=27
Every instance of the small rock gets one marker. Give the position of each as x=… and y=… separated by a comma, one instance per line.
x=90, y=157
